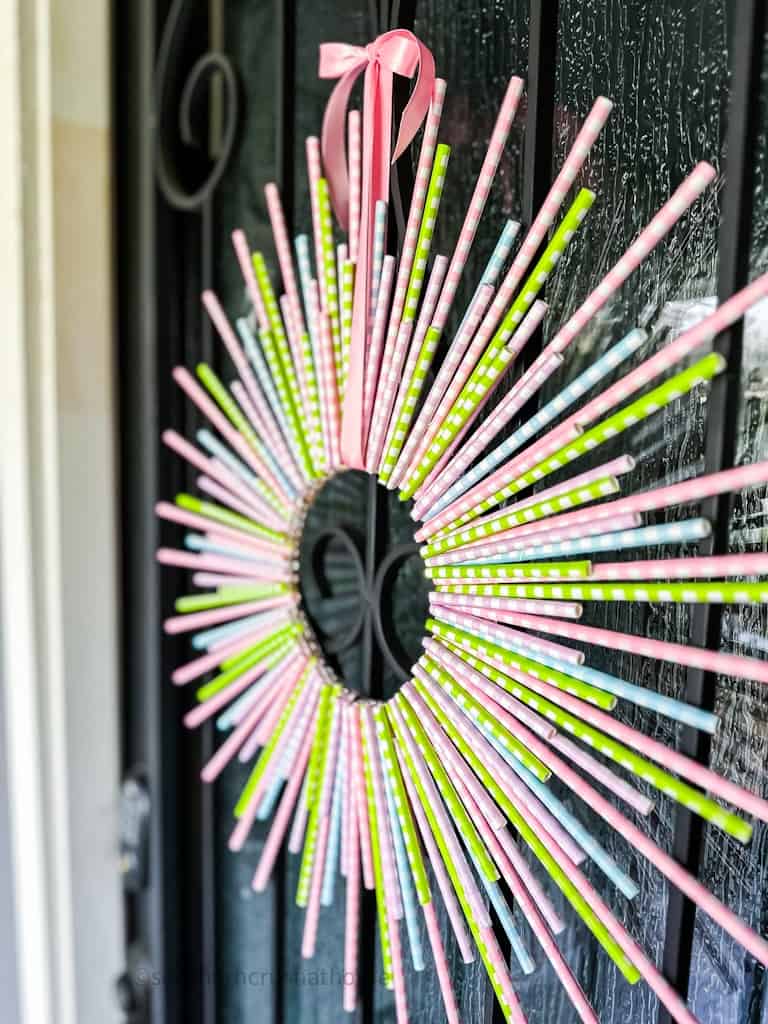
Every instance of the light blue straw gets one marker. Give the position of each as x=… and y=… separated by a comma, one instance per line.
x=677, y=710
x=212, y=444
x=304, y=261
x=334, y=843
x=500, y=253
x=259, y=364
x=407, y=886
x=209, y=637
x=500, y=905
x=234, y=712
x=644, y=536
x=571, y=824
x=269, y=800
x=579, y=387
x=196, y=542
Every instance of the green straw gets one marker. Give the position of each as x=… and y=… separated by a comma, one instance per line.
x=378, y=873
x=223, y=515
x=412, y=394
x=234, y=414
x=402, y=806
x=681, y=384
x=317, y=767
x=684, y=794
x=539, y=849
x=464, y=823
x=318, y=452
x=426, y=232
x=566, y=502
x=329, y=276
x=493, y=363
x=228, y=595
x=278, y=356
x=266, y=755
x=275, y=645
x=500, y=571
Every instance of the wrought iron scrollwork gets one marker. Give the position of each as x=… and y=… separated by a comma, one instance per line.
x=178, y=94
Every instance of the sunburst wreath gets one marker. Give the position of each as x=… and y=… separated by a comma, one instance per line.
x=453, y=770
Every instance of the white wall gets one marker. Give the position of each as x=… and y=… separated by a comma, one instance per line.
x=58, y=555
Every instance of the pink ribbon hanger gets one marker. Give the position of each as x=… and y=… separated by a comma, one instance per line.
x=394, y=53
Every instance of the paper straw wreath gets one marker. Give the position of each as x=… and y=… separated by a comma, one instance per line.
x=443, y=792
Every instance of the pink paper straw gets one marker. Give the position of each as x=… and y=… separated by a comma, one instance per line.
x=225, y=497
x=260, y=417
x=360, y=802
x=330, y=391
x=455, y=358
x=243, y=253
x=603, y=774
x=373, y=359
x=274, y=840
x=190, y=621
x=683, y=568
x=314, y=174
x=441, y=964
x=453, y=910
x=479, y=198
x=344, y=758
x=195, y=718
x=420, y=184
x=284, y=255
x=385, y=392
x=558, y=609
x=681, y=200
x=738, y=666
x=195, y=393
x=325, y=369
x=355, y=177
x=176, y=514
x=352, y=912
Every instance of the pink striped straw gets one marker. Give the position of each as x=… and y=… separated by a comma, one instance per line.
x=267, y=726
x=398, y=975
x=345, y=787
x=355, y=177
x=512, y=784
x=441, y=964
x=738, y=666
x=532, y=914
x=681, y=200
x=418, y=197
x=472, y=893
x=352, y=912
x=479, y=198
x=393, y=898
x=176, y=514
x=213, y=468
x=314, y=174
x=603, y=774
x=373, y=358
x=456, y=768
x=261, y=419
x=243, y=253
x=405, y=373
x=454, y=359
x=438, y=868
x=284, y=255
x=671, y=760
x=246, y=726
x=195, y=393
x=325, y=369
x=683, y=568
x=201, y=620
x=199, y=666
x=557, y=609
x=514, y=346
x=385, y=392
x=274, y=840
x=225, y=497
x=358, y=789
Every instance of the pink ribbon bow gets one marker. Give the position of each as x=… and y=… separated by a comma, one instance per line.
x=394, y=53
